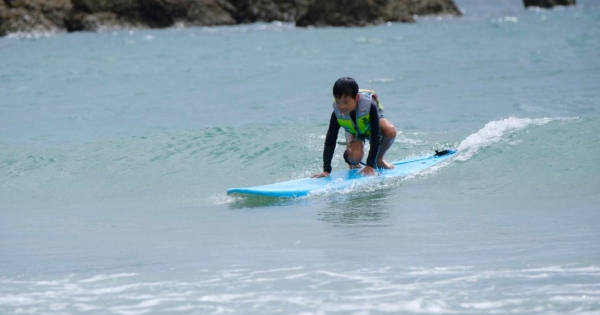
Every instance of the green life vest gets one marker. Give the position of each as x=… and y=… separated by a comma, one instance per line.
x=362, y=128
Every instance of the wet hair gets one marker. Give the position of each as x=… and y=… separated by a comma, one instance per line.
x=345, y=87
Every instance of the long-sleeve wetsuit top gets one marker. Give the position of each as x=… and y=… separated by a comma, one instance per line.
x=332, y=134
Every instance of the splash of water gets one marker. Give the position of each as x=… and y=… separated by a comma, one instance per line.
x=496, y=131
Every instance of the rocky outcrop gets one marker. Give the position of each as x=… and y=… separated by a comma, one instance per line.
x=250, y=11
x=351, y=13
x=547, y=3
x=431, y=7
x=94, y=14
x=100, y=21
x=75, y=15
x=164, y=13
x=33, y=15
x=372, y=12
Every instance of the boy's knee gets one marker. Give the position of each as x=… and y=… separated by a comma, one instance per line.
x=389, y=132
x=387, y=129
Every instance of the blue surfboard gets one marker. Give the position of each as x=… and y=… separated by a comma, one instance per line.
x=341, y=180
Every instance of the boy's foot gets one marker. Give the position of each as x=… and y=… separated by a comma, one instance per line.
x=384, y=164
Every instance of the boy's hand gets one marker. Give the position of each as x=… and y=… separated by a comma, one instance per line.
x=323, y=174
x=367, y=170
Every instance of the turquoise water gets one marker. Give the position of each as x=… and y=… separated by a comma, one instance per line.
x=116, y=150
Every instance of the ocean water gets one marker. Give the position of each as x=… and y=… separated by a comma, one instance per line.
x=116, y=149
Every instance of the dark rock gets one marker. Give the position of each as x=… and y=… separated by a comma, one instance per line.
x=250, y=11
x=372, y=12
x=3, y=10
x=92, y=15
x=431, y=7
x=163, y=13
x=31, y=16
x=120, y=7
x=547, y=3
x=208, y=12
x=20, y=20
x=160, y=13
x=53, y=10
x=149, y=13
x=99, y=21
x=351, y=13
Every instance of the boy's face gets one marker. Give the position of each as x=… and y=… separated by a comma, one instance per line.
x=347, y=104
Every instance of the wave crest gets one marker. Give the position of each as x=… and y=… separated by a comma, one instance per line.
x=497, y=130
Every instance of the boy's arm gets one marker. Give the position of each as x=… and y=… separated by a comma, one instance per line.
x=375, y=136
x=330, y=142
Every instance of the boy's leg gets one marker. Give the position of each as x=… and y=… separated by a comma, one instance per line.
x=354, y=151
x=388, y=135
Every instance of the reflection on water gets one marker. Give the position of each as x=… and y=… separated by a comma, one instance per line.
x=260, y=201
x=357, y=208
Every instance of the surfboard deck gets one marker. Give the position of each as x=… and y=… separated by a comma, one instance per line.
x=340, y=180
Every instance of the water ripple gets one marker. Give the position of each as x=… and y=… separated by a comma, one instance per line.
x=298, y=290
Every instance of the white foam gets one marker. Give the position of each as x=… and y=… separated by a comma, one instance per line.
x=490, y=304
x=359, y=291
x=32, y=310
x=132, y=312
x=439, y=270
x=276, y=270
x=16, y=300
x=575, y=298
x=496, y=131
x=296, y=276
x=105, y=277
x=118, y=289
x=224, y=297
x=35, y=34
x=85, y=307
x=382, y=80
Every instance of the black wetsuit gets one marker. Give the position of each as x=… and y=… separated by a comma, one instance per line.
x=334, y=128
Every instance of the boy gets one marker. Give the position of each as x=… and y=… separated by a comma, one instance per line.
x=360, y=115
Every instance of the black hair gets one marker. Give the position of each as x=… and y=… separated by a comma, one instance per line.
x=345, y=87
